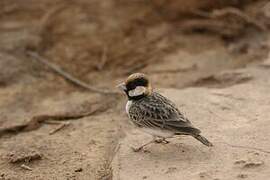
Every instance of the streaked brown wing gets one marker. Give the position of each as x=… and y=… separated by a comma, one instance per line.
x=156, y=111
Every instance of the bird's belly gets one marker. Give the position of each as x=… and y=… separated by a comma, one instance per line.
x=157, y=132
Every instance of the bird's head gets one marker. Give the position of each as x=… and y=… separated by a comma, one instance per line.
x=136, y=86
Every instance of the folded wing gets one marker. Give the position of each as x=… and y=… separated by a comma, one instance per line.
x=156, y=111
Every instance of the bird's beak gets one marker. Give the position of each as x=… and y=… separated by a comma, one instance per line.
x=122, y=86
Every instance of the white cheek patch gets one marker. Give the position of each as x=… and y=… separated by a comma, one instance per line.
x=139, y=90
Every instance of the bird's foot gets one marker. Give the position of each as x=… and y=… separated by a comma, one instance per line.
x=141, y=147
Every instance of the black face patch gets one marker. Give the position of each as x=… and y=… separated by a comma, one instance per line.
x=137, y=82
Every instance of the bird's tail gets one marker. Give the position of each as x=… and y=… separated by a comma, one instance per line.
x=202, y=140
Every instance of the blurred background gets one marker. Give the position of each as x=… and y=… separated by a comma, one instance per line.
x=48, y=48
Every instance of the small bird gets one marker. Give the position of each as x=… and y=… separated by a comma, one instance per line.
x=154, y=113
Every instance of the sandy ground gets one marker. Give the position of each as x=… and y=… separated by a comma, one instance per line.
x=229, y=117
x=210, y=69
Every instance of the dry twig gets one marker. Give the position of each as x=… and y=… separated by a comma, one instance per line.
x=246, y=147
x=37, y=121
x=232, y=11
x=237, y=12
x=67, y=76
x=61, y=126
x=23, y=166
x=171, y=71
x=46, y=19
x=227, y=22
x=103, y=59
x=135, y=68
x=212, y=25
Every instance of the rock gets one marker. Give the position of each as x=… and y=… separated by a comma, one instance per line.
x=235, y=132
x=24, y=155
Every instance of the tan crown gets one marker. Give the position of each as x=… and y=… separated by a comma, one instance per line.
x=134, y=76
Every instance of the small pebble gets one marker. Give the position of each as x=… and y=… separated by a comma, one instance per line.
x=78, y=170
x=242, y=176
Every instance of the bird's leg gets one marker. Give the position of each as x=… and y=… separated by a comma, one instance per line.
x=142, y=146
x=156, y=139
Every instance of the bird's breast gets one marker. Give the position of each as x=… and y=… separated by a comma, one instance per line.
x=129, y=103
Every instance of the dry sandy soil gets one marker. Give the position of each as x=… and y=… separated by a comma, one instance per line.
x=229, y=117
x=214, y=65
